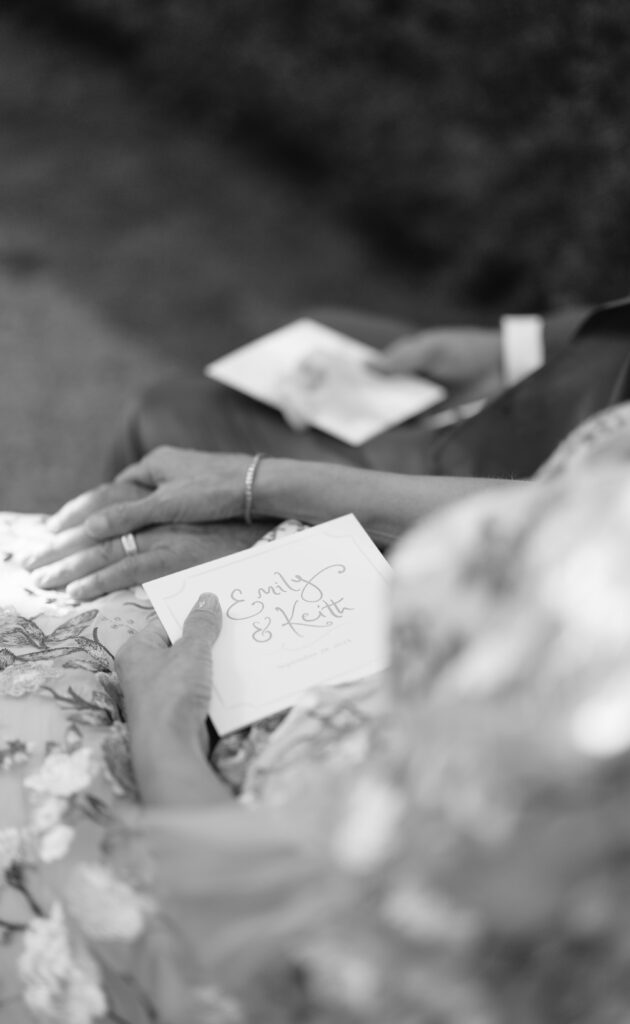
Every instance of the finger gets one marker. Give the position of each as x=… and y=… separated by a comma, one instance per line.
x=138, y=473
x=203, y=622
x=125, y=517
x=409, y=354
x=149, y=471
x=128, y=572
x=59, y=573
x=58, y=546
x=76, y=510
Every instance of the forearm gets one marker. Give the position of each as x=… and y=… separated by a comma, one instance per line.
x=386, y=504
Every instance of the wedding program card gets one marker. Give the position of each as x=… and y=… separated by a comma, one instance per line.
x=328, y=378
x=304, y=611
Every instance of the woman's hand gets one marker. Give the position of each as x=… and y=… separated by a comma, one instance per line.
x=172, y=500
x=185, y=486
x=167, y=691
x=89, y=569
x=77, y=510
x=169, y=485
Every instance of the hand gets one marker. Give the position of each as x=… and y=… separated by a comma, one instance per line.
x=464, y=359
x=172, y=486
x=167, y=692
x=167, y=685
x=88, y=570
x=77, y=510
x=66, y=530
x=180, y=486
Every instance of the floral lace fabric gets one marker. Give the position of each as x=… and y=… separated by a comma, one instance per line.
x=60, y=707
x=468, y=852
x=65, y=780
x=444, y=845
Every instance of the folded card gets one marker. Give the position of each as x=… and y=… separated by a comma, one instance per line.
x=321, y=378
x=304, y=611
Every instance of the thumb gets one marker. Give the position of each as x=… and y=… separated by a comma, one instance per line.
x=153, y=634
x=203, y=623
x=138, y=472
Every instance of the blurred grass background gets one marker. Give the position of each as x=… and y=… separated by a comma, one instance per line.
x=177, y=176
x=487, y=141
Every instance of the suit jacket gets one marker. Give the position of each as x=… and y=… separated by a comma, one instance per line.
x=587, y=369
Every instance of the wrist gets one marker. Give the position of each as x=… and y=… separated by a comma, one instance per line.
x=283, y=489
x=175, y=774
x=171, y=765
x=180, y=724
x=309, y=491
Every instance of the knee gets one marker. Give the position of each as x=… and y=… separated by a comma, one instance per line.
x=185, y=412
x=151, y=421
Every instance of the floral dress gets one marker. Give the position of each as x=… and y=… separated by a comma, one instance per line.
x=448, y=844
x=67, y=917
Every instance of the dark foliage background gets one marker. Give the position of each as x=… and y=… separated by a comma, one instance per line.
x=487, y=140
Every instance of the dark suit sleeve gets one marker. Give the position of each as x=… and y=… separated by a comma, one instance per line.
x=561, y=328
x=588, y=371
x=564, y=327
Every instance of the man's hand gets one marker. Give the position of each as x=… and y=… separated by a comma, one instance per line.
x=466, y=360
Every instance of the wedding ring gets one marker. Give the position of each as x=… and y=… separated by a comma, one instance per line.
x=129, y=543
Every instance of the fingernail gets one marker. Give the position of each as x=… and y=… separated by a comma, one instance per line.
x=76, y=591
x=207, y=602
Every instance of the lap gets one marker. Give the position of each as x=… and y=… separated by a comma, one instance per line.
x=194, y=412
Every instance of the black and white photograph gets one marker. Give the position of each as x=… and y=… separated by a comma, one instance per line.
x=314, y=512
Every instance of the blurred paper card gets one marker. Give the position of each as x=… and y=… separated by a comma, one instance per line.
x=308, y=610
x=318, y=377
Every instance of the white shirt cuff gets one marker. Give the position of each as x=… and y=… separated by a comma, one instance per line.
x=522, y=346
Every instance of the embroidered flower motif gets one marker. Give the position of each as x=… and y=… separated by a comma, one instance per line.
x=10, y=847
x=367, y=832
x=118, y=769
x=19, y=680
x=65, y=774
x=599, y=726
x=105, y=907
x=114, y=785
x=217, y=1007
x=425, y=916
x=13, y=753
x=73, y=738
x=55, y=843
x=61, y=980
x=47, y=813
x=342, y=977
x=8, y=616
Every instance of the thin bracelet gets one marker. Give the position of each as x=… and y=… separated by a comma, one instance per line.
x=248, y=493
